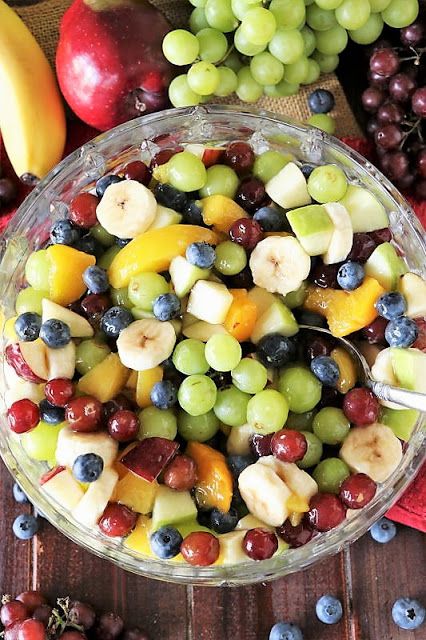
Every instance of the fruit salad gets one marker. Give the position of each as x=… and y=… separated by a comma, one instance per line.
x=157, y=367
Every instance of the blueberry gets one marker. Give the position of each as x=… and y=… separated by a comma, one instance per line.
x=326, y=370
x=192, y=213
x=168, y=196
x=329, y=609
x=383, y=531
x=166, y=307
x=223, y=522
x=285, y=631
x=237, y=464
x=306, y=169
x=350, y=275
x=122, y=242
x=201, y=254
x=103, y=183
x=27, y=326
x=88, y=244
x=408, y=613
x=275, y=350
x=51, y=414
x=115, y=320
x=25, y=526
x=311, y=318
x=88, y=467
x=163, y=394
x=64, y=232
x=96, y=279
x=391, y=305
x=321, y=101
x=55, y=333
x=165, y=542
x=270, y=219
x=19, y=495
x=401, y=332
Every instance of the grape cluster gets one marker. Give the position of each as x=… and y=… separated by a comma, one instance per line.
x=396, y=100
x=255, y=47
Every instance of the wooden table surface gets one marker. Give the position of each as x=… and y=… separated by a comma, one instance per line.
x=367, y=577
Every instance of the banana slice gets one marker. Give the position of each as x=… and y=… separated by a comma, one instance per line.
x=92, y=504
x=374, y=450
x=298, y=481
x=342, y=238
x=127, y=209
x=146, y=343
x=264, y=493
x=279, y=264
x=72, y=444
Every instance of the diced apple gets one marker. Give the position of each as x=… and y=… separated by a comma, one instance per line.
x=209, y=301
x=34, y=354
x=238, y=442
x=313, y=228
x=382, y=371
x=105, y=380
x=277, y=319
x=136, y=493
x=164, y=217
x=61, y=362
x=262, y=299
x=64, y=489
x=93, y=503
x=184, y=275
x=17, y=388
x=366, y=212
x=72, y=444
x=172, y=507
x=209, y=155
x=401, y=422
x=386, y=266
x=413, y=288
x=288, y=187
x=201, y=330
x=149, y=457
x=15, y=359
x=409, y=366
x=79, y=326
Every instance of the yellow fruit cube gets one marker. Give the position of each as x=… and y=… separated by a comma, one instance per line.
x=348, y=374
x=221, y=212
x=145, y=381
x=136, y=493
x=105, y=380
x=67, y=266
x=138, y=540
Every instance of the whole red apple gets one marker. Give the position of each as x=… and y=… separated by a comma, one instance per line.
x=109, y=60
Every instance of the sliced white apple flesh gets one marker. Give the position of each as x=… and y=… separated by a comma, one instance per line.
x=184, y=275
x=209, y=301
x=79, y=326
x=366, y=212
x=93, y=503
x=288, y=187
x=64, y=489
x=413, y=288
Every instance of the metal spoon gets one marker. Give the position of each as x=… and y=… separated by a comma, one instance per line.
x=383, y=391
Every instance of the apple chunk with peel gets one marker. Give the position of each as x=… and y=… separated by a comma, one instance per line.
x=288, y=187
x=313, y=228
x=93, y=503
x=35, y=351
x=401, y=422
x=64, y=489
x=172, y=508
x=79, y=326
x=366, y=212
x=164, y=217
x=201, y=330
x=276, y=319
x=262, y=299
x=209, y=301
x=149, y=457
x=413, y=288
x=409, y=366
x=184, y=275
x=385, y=266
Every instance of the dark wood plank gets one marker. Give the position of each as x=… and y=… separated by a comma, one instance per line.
x=382, y=573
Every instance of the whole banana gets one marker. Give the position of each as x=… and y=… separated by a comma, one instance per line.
x=32, y=117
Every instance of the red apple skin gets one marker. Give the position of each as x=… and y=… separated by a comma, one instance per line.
x=149, y=457
x=16, y=360
x=109, y=61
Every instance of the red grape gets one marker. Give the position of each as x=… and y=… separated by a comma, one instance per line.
x=32, y=600
x=385, y=62
x=295, y=536
x=420, y=190
x=123, y=425
x=388, y=137
x=372, y=126
x=362, y=247
x=421, y=162
x=84, y=413
x=325, y=512
x=401, y=87
x=420, y=342
x=246, y=232
x=11, y=633
x=317, y=345
x=82, y=614
x=289, y=445
x=119, y=403
x=261, y=445
x=251, y=194
x=200, y=548
x=117, y=520
x=13, y=611
x=94, y=306
x=181, y=473
x=23, y=415
x=260, y=544
x=43, y=614
x=83, y=210
x=413, y=34
x=361, y=406
x=59, y=391
x=372, y=98
x=138, y=171
x=395, y=164
x=374, y=332
x=325, y=275
x=164, y=156
x=72, y=635
x=376, y=80
x=389, y=113
x=418, y=102
x=240, y=156
x=381, y=235
x=357, y=490
x=31, y=630
x=405, y=182
x=109, y=626
x=8, y=191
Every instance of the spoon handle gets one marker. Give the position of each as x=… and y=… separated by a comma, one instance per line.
x=404, y=397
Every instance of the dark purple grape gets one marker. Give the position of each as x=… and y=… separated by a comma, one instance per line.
x=420, y=190
x=372, y=126
x=376, y=80
x=421, y=162
x=8, y=191
x=109, y=626
x=395, y=164
x=43, y=613
x=389, y=136
x=401, y=87
x=418, y=102
x=385, y=62
x=325, y=275
x=135, y=634
x=404, y=183
x=413, y=34
x=372, y=98
x=362, y=247
x=316, y=345
x=389, y=113
x=381, y=235
x=251, y=194
x=82, y=614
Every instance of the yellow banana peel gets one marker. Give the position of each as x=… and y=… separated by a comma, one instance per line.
x=32, y=117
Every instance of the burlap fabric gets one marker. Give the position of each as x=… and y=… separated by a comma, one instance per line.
x=43, y=20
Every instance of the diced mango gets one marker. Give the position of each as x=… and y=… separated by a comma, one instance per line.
x=138, y=540
x=242, y=315
x=346, y=311
x=154, y=250
x=105, y=380
x=146, y=380
x=348, y=374
x=214, y=480
x=132, y=381
x=221, y=212
x=66, y=273
x=135, y=492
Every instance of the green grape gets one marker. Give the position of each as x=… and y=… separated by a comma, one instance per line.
x=269, y=163
x=327, y=63
x=198, y=3
x=332, y=41
x=220, y=179
x=180, y=47
x=296, y=298
x=231, y=258
x=282, y=89
x=231, y=406
x=248, y=90
x=188, y=357
x=267, y=411
x=289, y=14
x=298, y=71
x=102, y=236
x=181, y=94
x=223, y=352
x=328, y=5
x=300, y=421
x=213, y=44
x=313, y=453
x=327, y=183
x=41, y=442
x=220, y=16
x=228, y=82
x=329, y=475
x=249, y=376
x=120, y=297
x=199, y=428
x=89, y=353
x=197, y=394
x=233, y=61
x=300, y=387
x=314, y=72
x=258, y=25
x=186, y=171
x=241, y=7
x=37, y=270
x=198, y=20
x=29, y=299
x=400, y=13
x=203, y=78
x=370, y=31
x=322, y=121
x=320, y=19
x=141, y=314
x=309, y=41
x=157, y=423
x=353, y=14
x=106, y=258
x=377, y=6
x=287, y=45
x=331, y=426
x=246, y=47
x=145, y=287
x=266, y=69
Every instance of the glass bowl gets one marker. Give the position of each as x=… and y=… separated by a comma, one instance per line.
x=140, y=139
